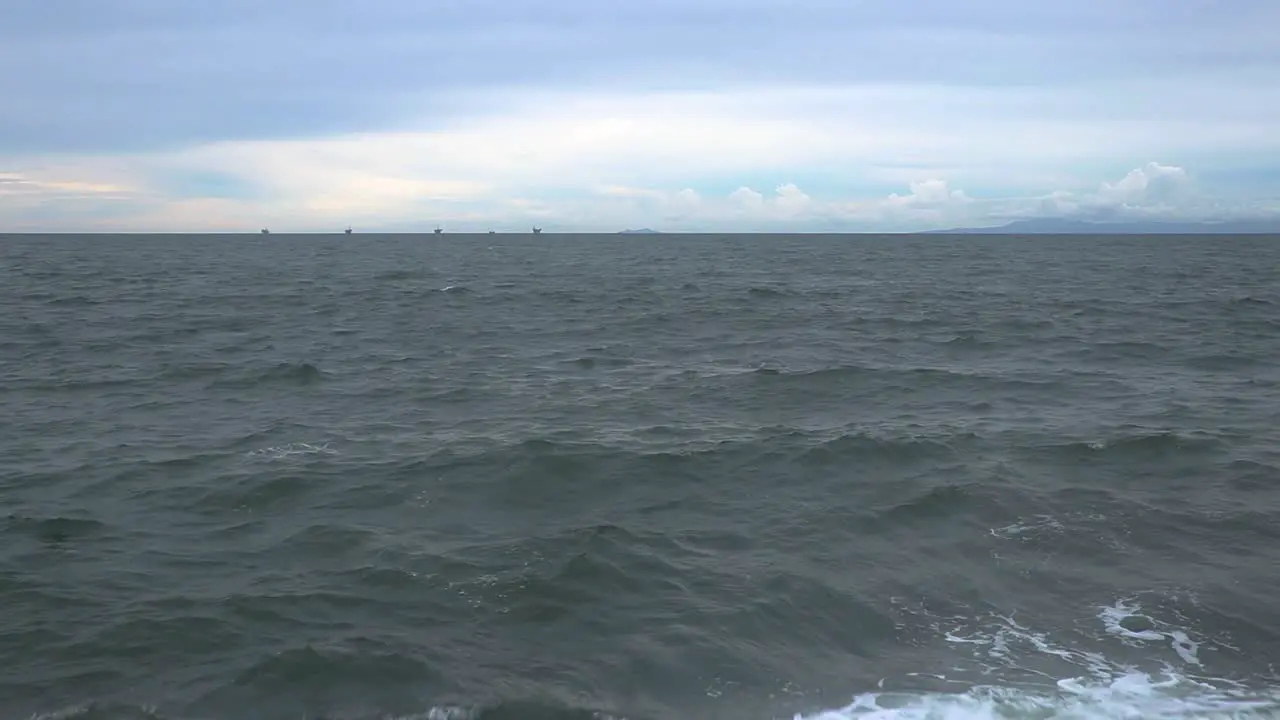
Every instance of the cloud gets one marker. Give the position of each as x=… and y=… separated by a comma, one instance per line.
x=929, y=194
x=92, y=78
x=323, y=197
x=601, y=164
x=1152, y=190
x=583, y=115
x=787, y=202
x=16, y=184
x=1151, y=183
x=37, y=203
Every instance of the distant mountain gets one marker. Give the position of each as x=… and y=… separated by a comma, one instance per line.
x=641, y=231
x=1063, y=226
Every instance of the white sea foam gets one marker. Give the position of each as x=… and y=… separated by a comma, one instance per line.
x=1087, y=684
x=1114, y=617
x=280, y=452
x=1038, y=524
x=1136, y=695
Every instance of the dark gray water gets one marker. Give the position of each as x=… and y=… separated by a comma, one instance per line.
x=660, y=477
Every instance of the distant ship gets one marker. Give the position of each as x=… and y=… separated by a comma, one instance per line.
x=537, y=230
x=266, y=231
x=348, y=230
x=490, y=232
x=438, y=230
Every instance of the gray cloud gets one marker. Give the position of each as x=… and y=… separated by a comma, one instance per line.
x=111, y=75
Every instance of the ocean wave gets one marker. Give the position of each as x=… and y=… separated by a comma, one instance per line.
x=975, y=385
x=1253, y=476
x=1154, y=656
x=494, y=710
x=1135, y=444
x=693, y=478
x=54, y=530
x=1136, y=695
x=517, y=710
x=1049, y=675
x=284, y=373
x=658, y=442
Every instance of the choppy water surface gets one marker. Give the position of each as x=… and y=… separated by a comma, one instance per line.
x=646, y=478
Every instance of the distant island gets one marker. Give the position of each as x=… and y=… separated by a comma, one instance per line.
x=641, y=231
x=1063, y=226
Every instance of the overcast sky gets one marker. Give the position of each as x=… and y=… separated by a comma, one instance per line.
x=703, y=115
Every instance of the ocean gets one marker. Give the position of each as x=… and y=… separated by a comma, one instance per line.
x=567, y=477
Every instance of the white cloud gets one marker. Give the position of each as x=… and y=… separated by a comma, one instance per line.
x=1147, y=191
x=931, y=194
x=746, y=199
x=688, y=197
x=1152, y=183
x=579, y=161
x=786, y=202
x=791, y=200
x=20, y=184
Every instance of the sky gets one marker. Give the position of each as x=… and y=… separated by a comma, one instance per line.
x=600, y=115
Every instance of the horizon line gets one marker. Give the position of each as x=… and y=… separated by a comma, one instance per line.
x=959, y=232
